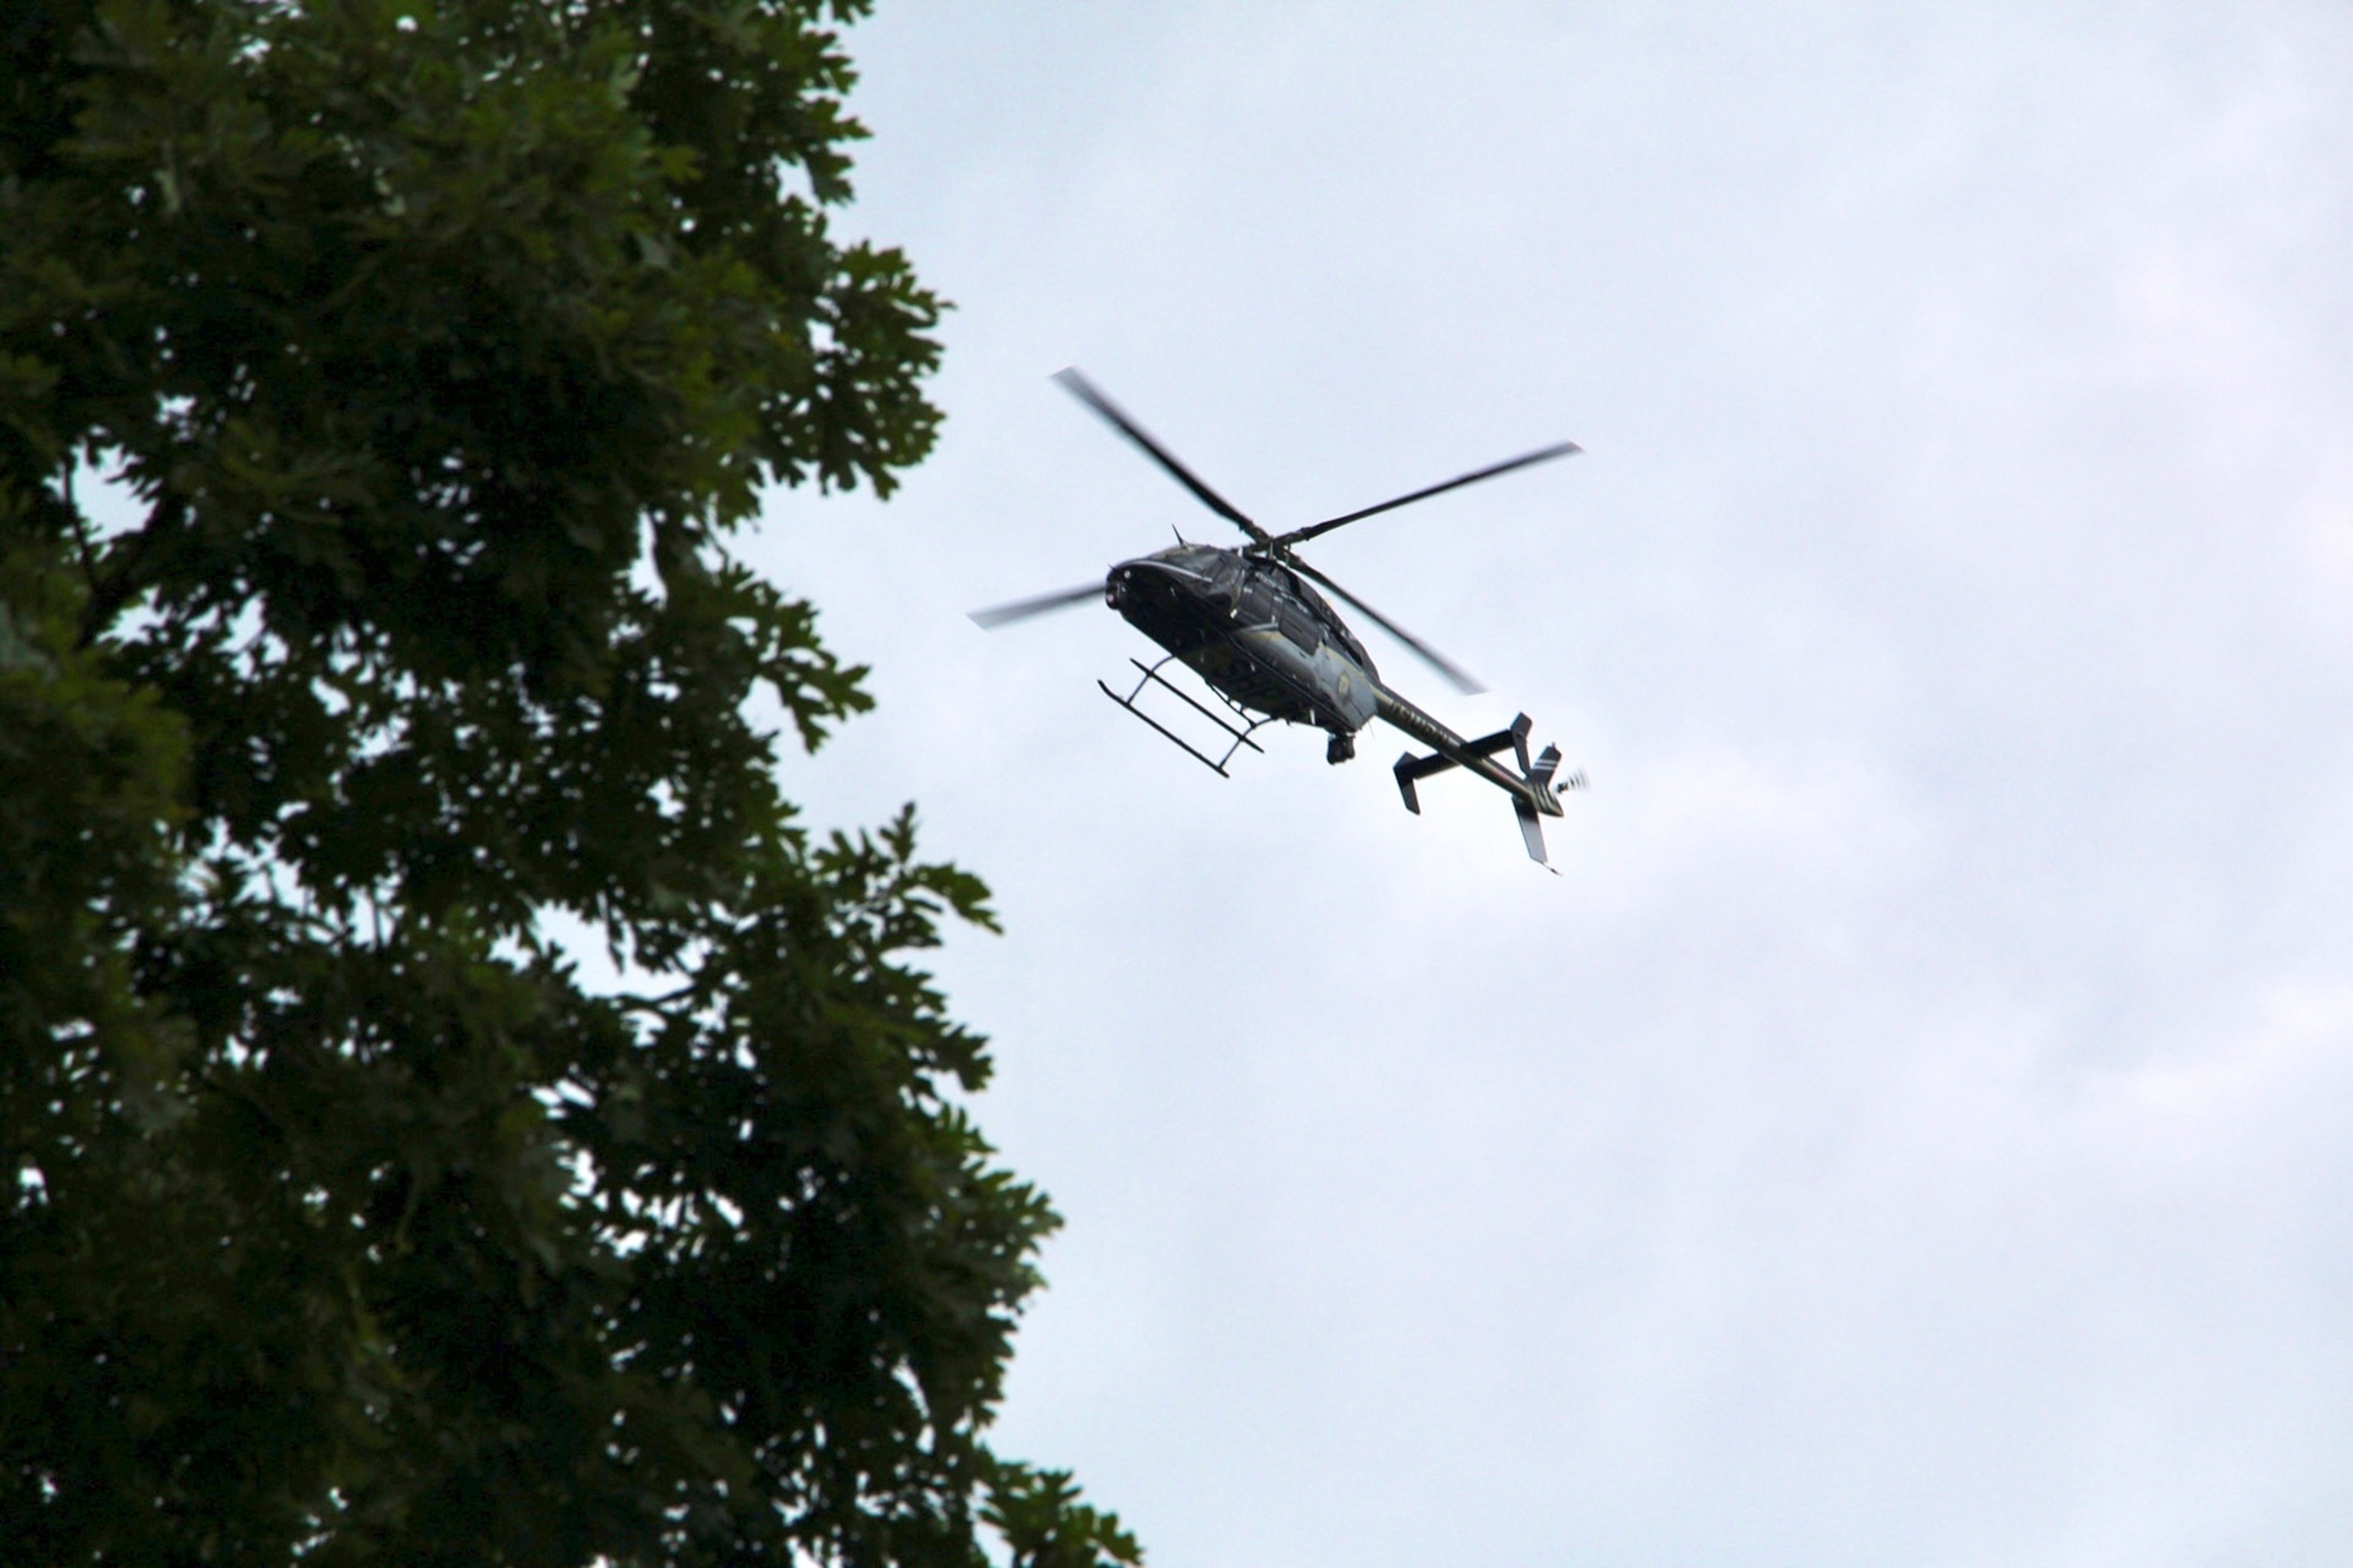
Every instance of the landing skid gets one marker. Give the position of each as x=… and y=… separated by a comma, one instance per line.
x=1151, y=677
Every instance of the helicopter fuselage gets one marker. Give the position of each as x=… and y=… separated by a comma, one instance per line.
x=1262, y=638
x=1270, y=644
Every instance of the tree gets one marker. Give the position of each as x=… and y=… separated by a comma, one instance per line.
x=443, y=346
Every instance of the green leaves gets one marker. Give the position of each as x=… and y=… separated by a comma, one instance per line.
x=1044, y=1525
x=440, y=348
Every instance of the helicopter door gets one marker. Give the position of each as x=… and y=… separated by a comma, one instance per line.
x=1300, y=626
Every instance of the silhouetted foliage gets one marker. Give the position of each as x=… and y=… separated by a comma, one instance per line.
x=442, y=347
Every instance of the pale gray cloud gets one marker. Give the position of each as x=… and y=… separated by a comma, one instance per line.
x=1914, y=1130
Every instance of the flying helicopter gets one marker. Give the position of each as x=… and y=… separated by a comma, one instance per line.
x=1248, y=622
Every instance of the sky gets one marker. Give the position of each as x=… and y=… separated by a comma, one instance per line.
x=1913, y=1129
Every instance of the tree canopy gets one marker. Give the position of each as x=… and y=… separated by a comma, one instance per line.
x=442, y=348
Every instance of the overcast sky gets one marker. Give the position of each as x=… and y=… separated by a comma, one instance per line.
x=1914, y=1130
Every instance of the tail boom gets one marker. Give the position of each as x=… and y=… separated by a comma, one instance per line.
x=1534, y=795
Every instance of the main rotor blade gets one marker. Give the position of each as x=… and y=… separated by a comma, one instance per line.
x=1461, y=679
x=1545, y=455
x=1023, y=609
x=1085, y=392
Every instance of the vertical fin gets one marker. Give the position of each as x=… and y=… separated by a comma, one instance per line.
x=1533, y=831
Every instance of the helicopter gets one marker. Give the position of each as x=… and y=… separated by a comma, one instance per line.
x=1251, y=624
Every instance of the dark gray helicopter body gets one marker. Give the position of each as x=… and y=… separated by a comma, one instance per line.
x=1255, y=632
x=1249, y=622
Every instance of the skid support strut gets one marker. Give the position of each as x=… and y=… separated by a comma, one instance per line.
x=1151, y=677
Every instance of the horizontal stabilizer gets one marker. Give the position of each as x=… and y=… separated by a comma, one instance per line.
x=1410, y=767
x=1516, y=737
